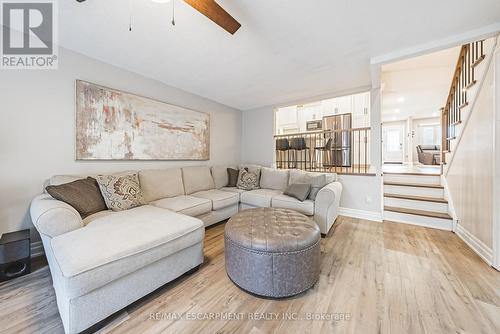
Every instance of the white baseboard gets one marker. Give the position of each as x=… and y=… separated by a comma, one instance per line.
x=37, y=249
x=361, y=214
x=475, y=244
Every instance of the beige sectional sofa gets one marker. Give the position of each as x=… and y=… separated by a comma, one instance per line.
x=108, y=260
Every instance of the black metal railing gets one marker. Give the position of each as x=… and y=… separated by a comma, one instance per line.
x=338, y=151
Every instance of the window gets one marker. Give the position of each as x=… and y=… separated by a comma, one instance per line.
x=430, y=134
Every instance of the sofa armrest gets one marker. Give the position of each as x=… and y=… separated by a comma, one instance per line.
x=52, y=217
x=326, y=205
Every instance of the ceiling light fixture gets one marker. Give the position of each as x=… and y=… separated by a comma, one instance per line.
x=401, y=99
x=397, y=111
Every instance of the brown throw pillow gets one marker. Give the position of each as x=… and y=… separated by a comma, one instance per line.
x=84, y=195
x=233, y=176
x=299, y=191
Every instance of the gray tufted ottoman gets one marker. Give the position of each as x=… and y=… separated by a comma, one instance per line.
x=272, y=252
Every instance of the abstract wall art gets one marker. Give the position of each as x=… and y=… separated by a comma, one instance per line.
x=114, y=125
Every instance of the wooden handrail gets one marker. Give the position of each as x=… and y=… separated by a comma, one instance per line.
x=321, y=131
x=463, y=78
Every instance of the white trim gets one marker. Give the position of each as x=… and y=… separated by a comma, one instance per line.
x=316, y=98
x=451, y=207
x=37, y=249
x=496, y=160
x=475, y=244
x=361, y=214
x=436, y=45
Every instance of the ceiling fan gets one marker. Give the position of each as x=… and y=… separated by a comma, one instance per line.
x=214, y=12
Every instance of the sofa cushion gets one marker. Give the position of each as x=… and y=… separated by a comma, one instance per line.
x=197, y=179
x=185, y=204
x=220, y=199
x=97, y=216
x=161, y=183
x=220, y=176
x=118, y=244
x=234, y=190
x=84, y=195
x=121, y=191
x=286, y=202
x=259, y=197
x=273, y=178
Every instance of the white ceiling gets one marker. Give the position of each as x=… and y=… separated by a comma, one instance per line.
x=417, y=87
x=285, y=50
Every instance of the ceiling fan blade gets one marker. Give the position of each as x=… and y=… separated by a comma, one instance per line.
x=216, y=13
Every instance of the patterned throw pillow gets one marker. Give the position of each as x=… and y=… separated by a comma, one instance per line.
x=121, y=191
x=248, y=180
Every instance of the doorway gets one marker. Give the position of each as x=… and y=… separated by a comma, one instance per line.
x=393, y=143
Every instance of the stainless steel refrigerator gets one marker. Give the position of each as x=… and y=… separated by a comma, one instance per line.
x=341, y=143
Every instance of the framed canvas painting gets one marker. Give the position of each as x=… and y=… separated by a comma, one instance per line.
x=115, y=125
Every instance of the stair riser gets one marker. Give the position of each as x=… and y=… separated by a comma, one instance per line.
x=419, y=179
x=442, y=224
x=414, y=191
x=417, y=205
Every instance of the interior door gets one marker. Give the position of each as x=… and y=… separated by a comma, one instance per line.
x=393, y=142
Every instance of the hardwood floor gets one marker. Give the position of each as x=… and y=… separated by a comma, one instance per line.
x=375, y=278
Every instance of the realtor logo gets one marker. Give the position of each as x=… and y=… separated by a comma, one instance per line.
x=28, y=35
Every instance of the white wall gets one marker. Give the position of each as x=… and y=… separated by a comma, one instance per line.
x=37, y=130
x=470, y=175
x=257, y=144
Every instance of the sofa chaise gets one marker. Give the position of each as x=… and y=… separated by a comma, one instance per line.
x=110, y=259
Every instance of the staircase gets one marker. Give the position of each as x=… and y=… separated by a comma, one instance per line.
x=417, y=199
x=468, y=76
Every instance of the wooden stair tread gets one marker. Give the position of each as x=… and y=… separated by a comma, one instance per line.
x=416, y=198
x=472, y=83
x=478, y=61
x=412, y=173
x=419, y=185
x=431, y=214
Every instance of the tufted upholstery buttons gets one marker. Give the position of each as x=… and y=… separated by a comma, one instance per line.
x=274, y=230
x=272, y=252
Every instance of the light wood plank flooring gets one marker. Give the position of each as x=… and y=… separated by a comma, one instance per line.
x=381, y=277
